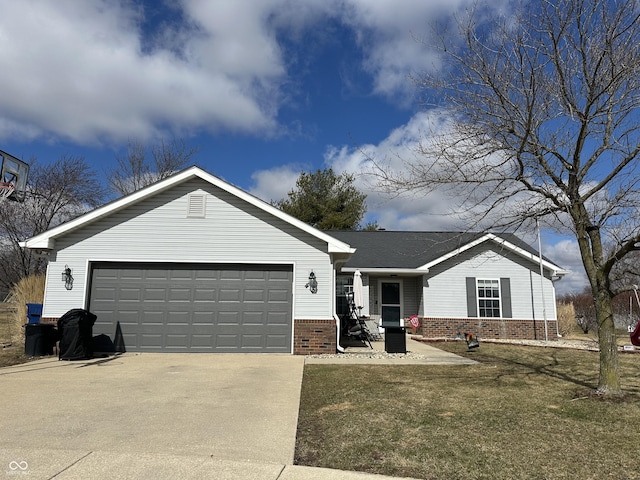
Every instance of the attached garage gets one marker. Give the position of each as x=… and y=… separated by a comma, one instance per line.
x=194, y=264
x=194, y=307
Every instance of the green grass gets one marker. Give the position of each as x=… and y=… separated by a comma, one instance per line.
x=523, y=412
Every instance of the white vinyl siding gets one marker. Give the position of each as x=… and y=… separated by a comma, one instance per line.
x=158, y=230
x=445, y=288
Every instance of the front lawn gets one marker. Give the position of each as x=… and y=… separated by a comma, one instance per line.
x=523, y=412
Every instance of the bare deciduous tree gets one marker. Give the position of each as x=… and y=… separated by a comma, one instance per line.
x=56, y=192
x=135, y=171
x=544, y=109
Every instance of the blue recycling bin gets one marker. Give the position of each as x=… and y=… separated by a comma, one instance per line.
x=34, y=312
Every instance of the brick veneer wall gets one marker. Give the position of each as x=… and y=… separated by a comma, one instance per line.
x=51, y=320
x=487, y=328
x=311, y=337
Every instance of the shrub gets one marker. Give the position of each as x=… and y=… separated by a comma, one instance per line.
x=566, y=318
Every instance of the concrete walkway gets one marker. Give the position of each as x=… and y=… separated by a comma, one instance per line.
x=418, y=353
x=173, y=416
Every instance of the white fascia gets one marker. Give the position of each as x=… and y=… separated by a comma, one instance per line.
x=387, y=271
x=554, y=269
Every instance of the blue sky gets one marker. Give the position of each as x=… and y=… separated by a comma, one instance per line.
x=264, y=89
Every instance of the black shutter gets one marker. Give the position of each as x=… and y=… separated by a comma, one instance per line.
x=505, y=297
x=472, y=304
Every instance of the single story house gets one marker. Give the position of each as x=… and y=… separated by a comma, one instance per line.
x=492, y=285
x=194, y=264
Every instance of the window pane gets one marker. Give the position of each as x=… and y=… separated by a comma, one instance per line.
x=391, y=316
x=489, y=298
x=391, y=293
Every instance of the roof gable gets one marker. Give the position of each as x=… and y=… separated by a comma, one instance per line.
x=46, y=240
x=418, y=251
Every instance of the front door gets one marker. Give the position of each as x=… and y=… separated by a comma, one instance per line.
x=390, y=302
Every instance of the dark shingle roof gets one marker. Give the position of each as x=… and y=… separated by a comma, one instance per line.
x=408, y=250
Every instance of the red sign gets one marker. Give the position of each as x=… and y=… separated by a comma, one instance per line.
x=414, y=321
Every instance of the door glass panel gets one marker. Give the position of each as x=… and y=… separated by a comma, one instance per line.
x=390, y=316
x=391, y=293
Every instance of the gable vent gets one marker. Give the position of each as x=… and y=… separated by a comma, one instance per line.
x=197, y=204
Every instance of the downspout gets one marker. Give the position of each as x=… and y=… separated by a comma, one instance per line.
x=335, y=314
x=553, y=283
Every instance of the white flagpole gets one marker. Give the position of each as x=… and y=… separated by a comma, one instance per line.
x=544, y=306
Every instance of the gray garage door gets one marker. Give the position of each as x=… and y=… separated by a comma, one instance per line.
x=193, y=308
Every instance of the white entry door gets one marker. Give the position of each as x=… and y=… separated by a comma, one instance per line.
x=391, y=302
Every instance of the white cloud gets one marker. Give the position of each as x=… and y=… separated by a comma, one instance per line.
x=417, y=211
x=567, y=255
x=91, y=71
x=78, y=70
x=274, y=184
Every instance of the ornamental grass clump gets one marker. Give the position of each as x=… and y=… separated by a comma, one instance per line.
x=28, y=290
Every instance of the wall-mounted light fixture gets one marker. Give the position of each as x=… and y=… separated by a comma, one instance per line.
x=312, y=285
x=67, y=278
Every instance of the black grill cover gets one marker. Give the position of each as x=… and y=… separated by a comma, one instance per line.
x=75, y=329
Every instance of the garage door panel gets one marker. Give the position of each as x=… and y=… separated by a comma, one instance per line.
x=257, y=295
x=154, y=295
x=230, y=275
x=229, y=295
x=252, y=341
x=278, y=318
x=254, y=319
x=231, y=318
x=127, y=317
x=130, y=294
x=276, y=342
x=194, y=307
x=226, y=341
x=181, y=318
x=202, y=294
x=278, y=295
x=105, y=294
x=179, y=295
x=180, y=274
x=208, y=275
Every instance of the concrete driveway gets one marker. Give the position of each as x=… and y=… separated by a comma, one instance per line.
x=240, y=408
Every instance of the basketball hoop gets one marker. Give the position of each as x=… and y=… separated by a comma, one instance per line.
x=6, y=190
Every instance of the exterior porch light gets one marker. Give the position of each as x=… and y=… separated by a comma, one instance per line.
x=312, y=285
x=67, y=278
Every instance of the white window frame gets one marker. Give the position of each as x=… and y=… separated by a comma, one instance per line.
x=491, y=282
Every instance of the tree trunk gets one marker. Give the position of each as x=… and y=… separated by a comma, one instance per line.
x=609, y=379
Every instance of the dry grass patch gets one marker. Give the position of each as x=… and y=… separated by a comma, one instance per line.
x=520, y=413
x=566, y=318
x=10, y=353
x=13, y=316
x=27, y=290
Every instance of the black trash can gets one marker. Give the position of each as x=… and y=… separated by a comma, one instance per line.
x=39, y=339
x=75, y=329
x=395, y=339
